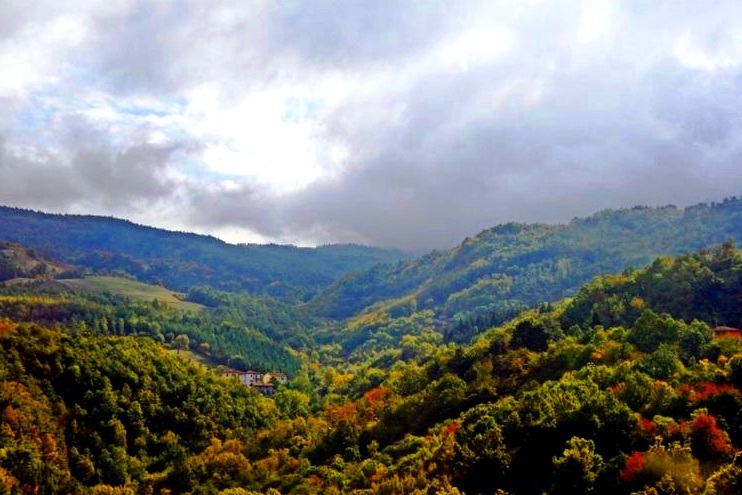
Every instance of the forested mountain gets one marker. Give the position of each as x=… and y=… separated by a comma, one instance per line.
x=513, y=266
x=622, y=389
x=108, y=415
x=182, y=260
x=17, y=261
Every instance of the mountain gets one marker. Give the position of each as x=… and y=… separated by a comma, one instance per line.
x=513, y=266
x=182, y=260
x=623, y=389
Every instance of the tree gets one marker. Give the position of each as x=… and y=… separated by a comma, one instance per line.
x=181, y=342
x=577, y=470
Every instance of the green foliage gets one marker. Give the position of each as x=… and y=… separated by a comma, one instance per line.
x=518, y=265
x=231, y=331
x=83, y=412
x=180, y=260
x=530, y=335
x=577, y=469
x=621, y=389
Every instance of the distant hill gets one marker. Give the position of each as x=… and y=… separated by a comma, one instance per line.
x=512, y=266
x=181, y=260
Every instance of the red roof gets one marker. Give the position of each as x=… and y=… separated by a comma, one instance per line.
x=727, y=332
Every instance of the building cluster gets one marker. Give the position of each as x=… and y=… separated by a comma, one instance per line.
x=262, y=382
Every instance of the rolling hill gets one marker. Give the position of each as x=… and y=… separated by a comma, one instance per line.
x=181, y=260
x=518, y=265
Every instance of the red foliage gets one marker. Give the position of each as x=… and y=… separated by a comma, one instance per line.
x=647, y=428
x=707, y=439
x=451, y=428
x=635, y=464
x=618, y=388
x=376, y=394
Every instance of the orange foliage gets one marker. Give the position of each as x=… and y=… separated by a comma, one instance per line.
x=344, y=413
x=6, y=326
x=11, y=416
x=374, y=402
x=705, y=390
x=451, y=428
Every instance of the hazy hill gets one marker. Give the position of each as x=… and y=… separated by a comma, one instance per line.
x=517, y=265
x=181, y=260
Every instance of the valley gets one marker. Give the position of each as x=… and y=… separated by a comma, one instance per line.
x=585, y=352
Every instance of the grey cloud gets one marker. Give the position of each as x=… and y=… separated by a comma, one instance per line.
x=90, y=170
x=548, y=131
x=355, y=32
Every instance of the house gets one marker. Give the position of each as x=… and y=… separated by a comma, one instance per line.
x=727, y=333
x=279, y=377
x=248, y=378
x=261, y=382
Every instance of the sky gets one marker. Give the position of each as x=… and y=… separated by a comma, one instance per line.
x=408, y=124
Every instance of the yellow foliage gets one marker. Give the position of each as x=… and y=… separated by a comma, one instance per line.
x=638, y=303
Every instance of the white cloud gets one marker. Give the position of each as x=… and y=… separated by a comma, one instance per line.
x=475, y=47
x=397, y=123
x=595, y=21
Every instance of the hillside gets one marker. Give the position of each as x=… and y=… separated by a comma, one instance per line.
x=92, y=414
x=513, y=266
x=136, y=291
x=620, y=390
x=238, y=331
x=181, y=260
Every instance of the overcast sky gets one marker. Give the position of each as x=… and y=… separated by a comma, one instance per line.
x=407, y=124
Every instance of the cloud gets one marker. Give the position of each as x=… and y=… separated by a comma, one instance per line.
x=408, y=124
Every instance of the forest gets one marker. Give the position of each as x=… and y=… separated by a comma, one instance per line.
x=530, y=359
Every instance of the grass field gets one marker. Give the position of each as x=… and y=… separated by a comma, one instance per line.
x=132, y=289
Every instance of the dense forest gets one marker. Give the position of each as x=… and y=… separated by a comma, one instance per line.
x=518, y=265
x=622, y=387
x=180, y=260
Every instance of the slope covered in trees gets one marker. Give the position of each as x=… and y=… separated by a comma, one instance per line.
x=84, y=414
x=182, y=260
x=619, y=390
x=514, y=266
x=237, y=331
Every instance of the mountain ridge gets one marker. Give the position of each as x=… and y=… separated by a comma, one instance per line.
x=181, y=260
x=513, y=266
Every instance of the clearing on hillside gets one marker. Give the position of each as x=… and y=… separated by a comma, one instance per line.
x=132, y=289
